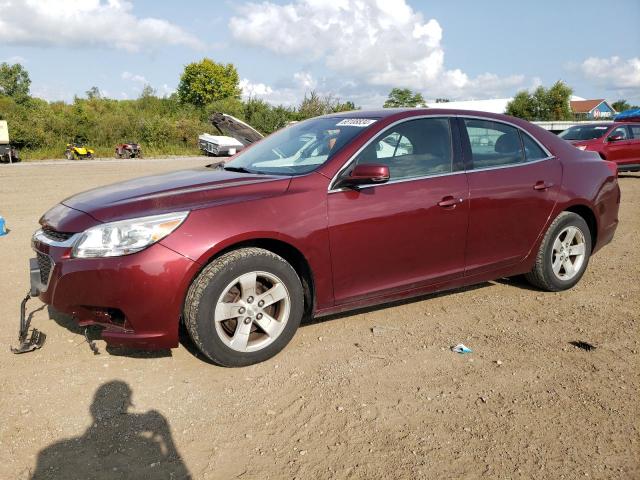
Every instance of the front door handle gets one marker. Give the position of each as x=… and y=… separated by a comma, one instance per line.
x=449, y=202
x=542, y=185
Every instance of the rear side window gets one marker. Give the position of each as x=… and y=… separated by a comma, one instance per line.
x=412, y=149
x=635, y=131
x=493, y=144
x=620, y=132
x=532, y=150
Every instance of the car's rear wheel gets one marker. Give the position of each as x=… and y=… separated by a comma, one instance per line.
x=563, y=255
x=69, y=155
x=244, y=307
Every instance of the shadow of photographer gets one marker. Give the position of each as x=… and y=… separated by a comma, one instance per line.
x=118, y=445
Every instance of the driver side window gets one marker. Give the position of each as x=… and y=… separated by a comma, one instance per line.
x=412, y=149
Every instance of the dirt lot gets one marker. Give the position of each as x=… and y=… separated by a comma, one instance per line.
x=376, y=394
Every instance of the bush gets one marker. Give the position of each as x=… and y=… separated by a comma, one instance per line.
x=161, y=125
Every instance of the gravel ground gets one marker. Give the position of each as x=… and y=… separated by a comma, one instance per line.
x=375, y=394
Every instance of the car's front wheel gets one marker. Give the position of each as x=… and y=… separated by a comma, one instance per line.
x=244, y=307
x=563, y=255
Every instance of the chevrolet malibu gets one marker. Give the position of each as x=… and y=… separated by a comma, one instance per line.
x=371, y=207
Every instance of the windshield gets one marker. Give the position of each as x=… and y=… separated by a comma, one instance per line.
x=300, y=148
x=584, y=132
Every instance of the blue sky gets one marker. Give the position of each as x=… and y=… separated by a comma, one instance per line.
x=356, y=50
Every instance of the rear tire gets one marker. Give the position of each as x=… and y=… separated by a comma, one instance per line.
x=244, y=307
x=563, y=255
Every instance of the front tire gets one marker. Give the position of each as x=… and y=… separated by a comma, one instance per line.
x=244, y=307
x=563, y=255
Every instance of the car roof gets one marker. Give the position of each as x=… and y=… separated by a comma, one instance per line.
x=388, y=112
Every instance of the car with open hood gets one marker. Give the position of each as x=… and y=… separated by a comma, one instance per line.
x=328, y=215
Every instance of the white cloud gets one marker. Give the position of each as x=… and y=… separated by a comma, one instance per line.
x=86, y=23
x=305, y=80
x=250, y=89
x=134, y=77
x=165, y=90
x=51, y=93
x=382, y=43
x=613, y=73
x=140, y=82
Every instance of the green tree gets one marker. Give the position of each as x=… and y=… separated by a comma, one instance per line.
x=93, y=93
x=148, y=91
x=206, y=81
x=543, y=104
x=403, y=97
x=622, y=106
x=14, y=82
x=230, y=106
x=557, y=101
x=523, y=105
x=312, y=105
x=344, y=107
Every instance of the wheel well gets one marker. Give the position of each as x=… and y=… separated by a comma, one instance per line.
x=587, y=214
x=291, y=255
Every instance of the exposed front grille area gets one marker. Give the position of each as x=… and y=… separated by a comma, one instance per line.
x=55, y=235
x=45, y=264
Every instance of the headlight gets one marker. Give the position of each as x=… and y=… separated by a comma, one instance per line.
x=581, y=147
x=126, y=236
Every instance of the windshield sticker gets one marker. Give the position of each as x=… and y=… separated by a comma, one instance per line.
x=355, y=122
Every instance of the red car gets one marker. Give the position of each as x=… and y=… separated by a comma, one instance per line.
x=371, y=207
x=618, y=142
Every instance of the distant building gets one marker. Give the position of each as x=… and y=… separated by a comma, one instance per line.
x=592, y=109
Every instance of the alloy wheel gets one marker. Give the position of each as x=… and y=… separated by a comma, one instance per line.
x=568, y=253
x=252, y=311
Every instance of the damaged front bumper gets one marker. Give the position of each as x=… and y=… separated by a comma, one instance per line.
x=29, y=342
x=135, y=299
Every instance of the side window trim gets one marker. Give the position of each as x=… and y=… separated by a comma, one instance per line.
x=466, y=145
x=354, y=156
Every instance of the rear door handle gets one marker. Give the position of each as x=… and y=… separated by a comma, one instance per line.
x=542, y=185
x=449, y=202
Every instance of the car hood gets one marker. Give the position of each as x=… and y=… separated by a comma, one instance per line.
x=174, y=191
x=229, y=125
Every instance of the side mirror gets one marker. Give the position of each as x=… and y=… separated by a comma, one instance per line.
x=369, y=174
x=615, y=138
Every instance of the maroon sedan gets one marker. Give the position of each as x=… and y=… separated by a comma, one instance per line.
x=369, y=208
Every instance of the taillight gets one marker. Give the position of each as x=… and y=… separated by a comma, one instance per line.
x=613, y=166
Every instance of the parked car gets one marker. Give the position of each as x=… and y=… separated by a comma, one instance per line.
x=618, y=142
x=77, y=150
x=241, y=252
x=234, y=136
x=128, y=150
x=217, y=145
